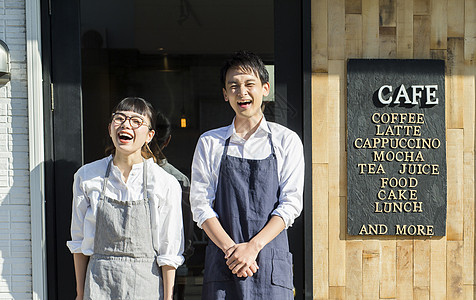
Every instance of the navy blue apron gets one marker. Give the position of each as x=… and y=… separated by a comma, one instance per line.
x=246, y=195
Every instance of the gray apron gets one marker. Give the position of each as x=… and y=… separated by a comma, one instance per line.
x=123, y=265
x=247, y=193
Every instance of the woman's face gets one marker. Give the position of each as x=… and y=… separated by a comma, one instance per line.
x=129, y=131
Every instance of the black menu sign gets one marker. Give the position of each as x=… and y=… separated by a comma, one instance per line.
x=396, y=154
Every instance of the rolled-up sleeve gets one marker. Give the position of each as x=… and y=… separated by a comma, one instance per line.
x=170, y=227
x=202, y=191
x=291, y=180
x=79, y=210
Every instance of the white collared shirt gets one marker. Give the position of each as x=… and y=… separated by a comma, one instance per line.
x=207, y=158
x=165, y=201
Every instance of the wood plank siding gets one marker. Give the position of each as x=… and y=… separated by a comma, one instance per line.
x=361, y=267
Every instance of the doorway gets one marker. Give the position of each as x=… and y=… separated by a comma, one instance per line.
x=168, y=52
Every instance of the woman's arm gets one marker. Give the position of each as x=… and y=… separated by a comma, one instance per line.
x=80, y=207
x=80, y=267
x=168, y=277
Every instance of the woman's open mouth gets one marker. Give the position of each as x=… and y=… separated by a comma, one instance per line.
x=124, y=137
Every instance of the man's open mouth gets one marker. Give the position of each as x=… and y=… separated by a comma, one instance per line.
x=244, y=103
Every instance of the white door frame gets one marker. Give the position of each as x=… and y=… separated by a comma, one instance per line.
x=36, y=148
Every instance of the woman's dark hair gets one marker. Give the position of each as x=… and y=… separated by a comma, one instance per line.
x=143, y=107
x=164, y=129
x=246, y=61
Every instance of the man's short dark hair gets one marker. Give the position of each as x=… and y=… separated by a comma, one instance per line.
x=247, y=61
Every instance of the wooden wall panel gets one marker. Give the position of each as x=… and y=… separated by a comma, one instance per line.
x=454, y=154
x=470, y=30
x=454, y=282
x=388, y=266
x=455, y=18
x=454, y=70
x=469, y=119
x=336, y=243
x=421, y=37
x=438, y=54
x=421, y=293
x=319, y=35
x=320, y=217
x=353, y=6
x=337, y=292
x=421, y=253
x=353, y=35
x=469, y=291
x=438, y=24
x=468, y=218
x=438, y=269
x=336, y=164
x=388, y=42
x=353, y=269
x=405, y=269
x=421, y=7
x=405, y=29
x=336, y=27
x=371, y=269
x=320, y=127
x=370, y=28
x=350, y=267
x=387, y=13
x=469, y=90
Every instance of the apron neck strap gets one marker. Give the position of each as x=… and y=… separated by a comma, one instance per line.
x=106, y=179
x=144, y=181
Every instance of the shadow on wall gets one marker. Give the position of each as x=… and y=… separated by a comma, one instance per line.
x=15, y=234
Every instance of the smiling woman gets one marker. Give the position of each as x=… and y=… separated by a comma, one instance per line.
x=114, y=236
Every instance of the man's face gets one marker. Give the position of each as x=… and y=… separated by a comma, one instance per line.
x=244, y=92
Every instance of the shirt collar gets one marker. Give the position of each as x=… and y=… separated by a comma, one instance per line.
x=263, y=127
x=137, y=166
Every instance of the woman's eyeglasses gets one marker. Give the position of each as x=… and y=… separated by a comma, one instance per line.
x=134, y=121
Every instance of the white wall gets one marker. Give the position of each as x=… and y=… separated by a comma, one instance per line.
x=15, y=236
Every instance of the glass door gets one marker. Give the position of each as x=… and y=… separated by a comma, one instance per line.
x=170, y=53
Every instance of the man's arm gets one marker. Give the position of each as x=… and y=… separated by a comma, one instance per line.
x=291, y=180
x=241, y=257
x=217, y=234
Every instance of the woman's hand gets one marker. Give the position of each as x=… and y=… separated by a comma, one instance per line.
x=79, y=297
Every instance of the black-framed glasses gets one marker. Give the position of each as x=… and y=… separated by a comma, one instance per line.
x=134, y=121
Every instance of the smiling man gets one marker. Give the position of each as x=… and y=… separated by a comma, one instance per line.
x=246, y=190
